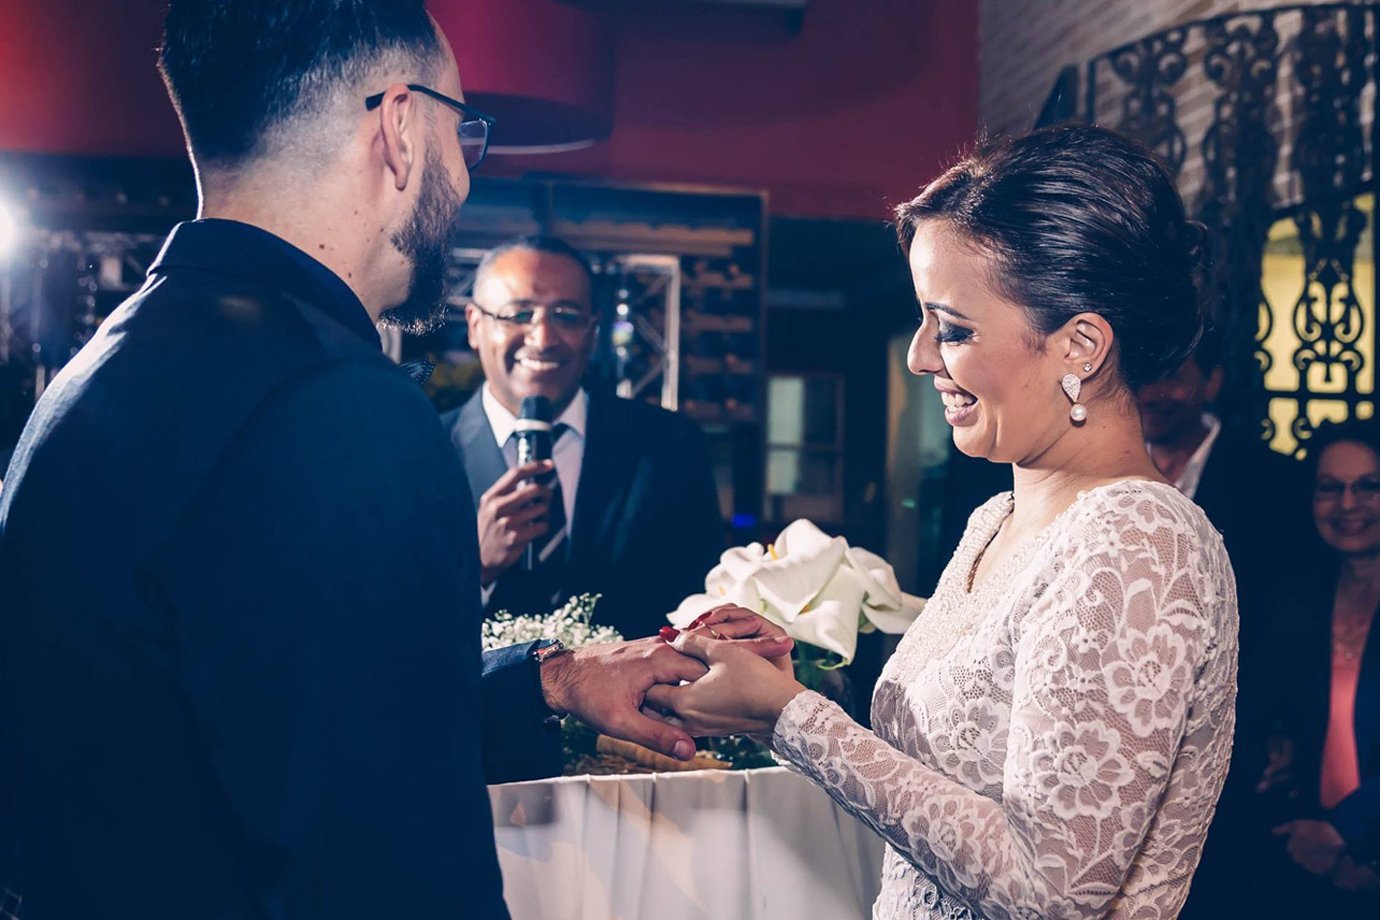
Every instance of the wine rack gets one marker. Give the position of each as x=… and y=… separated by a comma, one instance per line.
x=679, y=288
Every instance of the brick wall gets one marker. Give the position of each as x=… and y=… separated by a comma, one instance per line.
x=1023, y=44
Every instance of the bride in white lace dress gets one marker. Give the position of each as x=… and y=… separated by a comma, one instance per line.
x=1051, y=736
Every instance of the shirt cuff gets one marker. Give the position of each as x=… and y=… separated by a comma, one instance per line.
x=518, y=743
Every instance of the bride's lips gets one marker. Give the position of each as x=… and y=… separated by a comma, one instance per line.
x=959, y=405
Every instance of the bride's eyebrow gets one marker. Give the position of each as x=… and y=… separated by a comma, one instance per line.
x=944, y=308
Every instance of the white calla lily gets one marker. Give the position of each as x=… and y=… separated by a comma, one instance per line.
x=816, y=587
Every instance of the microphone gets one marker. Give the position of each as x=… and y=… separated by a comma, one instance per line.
x=533, y=435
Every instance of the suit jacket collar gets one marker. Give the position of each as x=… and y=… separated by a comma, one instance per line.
x=1367, y=715
x=605, y=474
x=1235, y=457
x=1313, y=647
x=229, y=247
x=605, y=477
x=1191, y=479
x=474, y=438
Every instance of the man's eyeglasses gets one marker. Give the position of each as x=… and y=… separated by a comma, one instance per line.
x=521, y=315
x=1332, y=490
x=474, y=124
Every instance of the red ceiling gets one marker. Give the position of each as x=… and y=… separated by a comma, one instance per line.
x=77, y=76
x=854, y=111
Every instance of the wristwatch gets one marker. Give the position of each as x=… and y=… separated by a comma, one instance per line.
x=547, y=649
x=541, y=653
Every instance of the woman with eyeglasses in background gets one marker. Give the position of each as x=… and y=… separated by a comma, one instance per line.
x=1326, y=763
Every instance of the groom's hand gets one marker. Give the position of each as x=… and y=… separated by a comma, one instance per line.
x=605, y=685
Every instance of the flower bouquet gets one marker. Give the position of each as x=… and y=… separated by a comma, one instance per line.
x=817, y=588
x=569, y=623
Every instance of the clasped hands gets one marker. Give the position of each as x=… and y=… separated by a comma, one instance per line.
x=729, y=672
x=1314, y=845
x=1320, y=850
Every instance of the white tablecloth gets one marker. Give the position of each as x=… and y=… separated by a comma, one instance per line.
x=750, y=845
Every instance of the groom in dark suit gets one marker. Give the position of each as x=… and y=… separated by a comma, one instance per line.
x=631, y=512
x=239, y=649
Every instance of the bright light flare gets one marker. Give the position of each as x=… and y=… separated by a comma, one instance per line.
x=9, y=227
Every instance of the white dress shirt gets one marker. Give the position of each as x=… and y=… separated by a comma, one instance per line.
x=1192, y=474
x=569, y=451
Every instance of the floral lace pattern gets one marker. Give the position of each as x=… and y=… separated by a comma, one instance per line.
x=1052, y=743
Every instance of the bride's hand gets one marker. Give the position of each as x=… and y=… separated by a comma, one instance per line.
x=743, y=692
x=733, y=622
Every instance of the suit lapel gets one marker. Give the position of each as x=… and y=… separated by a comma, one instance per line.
x=604, y=477
x=1367, y=722
x=473, y=437
x=1211, y=495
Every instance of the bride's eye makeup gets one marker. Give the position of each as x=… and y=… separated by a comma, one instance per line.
x=945, y=333
x=952, y=335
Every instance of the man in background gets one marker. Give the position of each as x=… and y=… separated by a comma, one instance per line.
x=239, y=648
x=1252, y=494
x=631, y=513
x=1258, y=499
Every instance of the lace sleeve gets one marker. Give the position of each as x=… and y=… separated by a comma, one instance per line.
x=1105, y=665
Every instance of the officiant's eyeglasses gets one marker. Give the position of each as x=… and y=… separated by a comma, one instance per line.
x=474, y=124
x=522, y=315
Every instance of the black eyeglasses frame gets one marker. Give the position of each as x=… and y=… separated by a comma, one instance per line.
x=469, y=114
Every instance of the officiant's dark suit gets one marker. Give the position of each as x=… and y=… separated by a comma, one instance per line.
x=635, y=480
x=646, y=528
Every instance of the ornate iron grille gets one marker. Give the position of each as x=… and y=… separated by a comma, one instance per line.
x=1267, y=119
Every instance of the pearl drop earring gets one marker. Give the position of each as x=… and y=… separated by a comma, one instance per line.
x=1072, y=387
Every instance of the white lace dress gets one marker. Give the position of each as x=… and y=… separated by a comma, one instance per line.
x=1053, y=743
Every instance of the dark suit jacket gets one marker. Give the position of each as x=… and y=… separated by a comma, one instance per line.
x=240, y=652
x=647, y=527
x=1304, y=625
x=1259, y=500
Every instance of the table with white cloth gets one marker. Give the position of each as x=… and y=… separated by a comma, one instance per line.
x=704, y=845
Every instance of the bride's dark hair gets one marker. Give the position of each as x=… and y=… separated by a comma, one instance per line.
x=1079, y=219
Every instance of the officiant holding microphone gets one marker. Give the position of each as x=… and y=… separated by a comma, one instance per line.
x=626, y=506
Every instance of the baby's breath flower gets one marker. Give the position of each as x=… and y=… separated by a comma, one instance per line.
x=569, y=623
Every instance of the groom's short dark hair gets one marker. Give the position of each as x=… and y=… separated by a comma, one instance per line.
x=237, y=69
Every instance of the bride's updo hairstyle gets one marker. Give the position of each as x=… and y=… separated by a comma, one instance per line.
x=1077, y=219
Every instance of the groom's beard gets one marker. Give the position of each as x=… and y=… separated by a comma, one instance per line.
x=424, y=241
